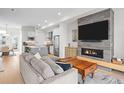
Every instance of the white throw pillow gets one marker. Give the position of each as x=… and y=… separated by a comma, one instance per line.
x=55, y=67
x=37, y=55
x=42, y=67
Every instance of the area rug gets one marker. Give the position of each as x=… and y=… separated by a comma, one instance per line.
x=101, y=78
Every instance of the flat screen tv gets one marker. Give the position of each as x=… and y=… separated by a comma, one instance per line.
x=94, y=31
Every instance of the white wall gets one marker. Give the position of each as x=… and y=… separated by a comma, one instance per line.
x=40, y=37
x=63, y=38
x=72, y=26
x=119, y=33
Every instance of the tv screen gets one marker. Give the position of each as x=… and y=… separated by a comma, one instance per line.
x=93, y=31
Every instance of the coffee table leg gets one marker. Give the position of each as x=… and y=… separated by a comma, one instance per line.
x=83, y=81
x=83, y=78
x=92, y=75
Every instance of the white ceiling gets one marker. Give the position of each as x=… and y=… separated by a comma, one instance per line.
x=35, y=16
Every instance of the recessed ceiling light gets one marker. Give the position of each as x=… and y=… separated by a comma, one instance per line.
x=51, y=24
x=59, y=13
x=45, y=21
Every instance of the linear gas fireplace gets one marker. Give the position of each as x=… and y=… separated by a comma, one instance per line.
x=92, y=52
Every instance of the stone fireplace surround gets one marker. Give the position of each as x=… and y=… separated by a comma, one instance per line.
x=106, y=45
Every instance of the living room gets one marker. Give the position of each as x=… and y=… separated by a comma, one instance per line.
x=51, y=26
x=64, y=40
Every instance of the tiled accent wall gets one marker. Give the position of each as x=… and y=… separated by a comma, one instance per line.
x=106, y=45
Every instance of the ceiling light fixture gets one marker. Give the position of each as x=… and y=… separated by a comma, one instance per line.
x=45, y=21
x=51, y=24
x=59, y=13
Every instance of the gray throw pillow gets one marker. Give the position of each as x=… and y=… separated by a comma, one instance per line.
x=43, y=68
x=39, y=77
x=55, y=67
x=28, y=58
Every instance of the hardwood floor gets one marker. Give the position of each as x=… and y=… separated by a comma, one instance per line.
x=11, y=74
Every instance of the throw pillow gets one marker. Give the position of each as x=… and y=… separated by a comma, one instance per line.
x=56, y=68
x=65, y=66
x=39, y=76
x=42, y=67
x=37, y=55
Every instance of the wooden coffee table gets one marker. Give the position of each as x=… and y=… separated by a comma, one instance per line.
x=85, y=68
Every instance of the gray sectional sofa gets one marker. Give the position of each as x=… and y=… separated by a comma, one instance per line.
x=32, y=76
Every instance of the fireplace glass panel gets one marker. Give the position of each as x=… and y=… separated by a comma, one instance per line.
x=92, y=52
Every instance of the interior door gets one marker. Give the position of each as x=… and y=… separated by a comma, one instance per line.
x=56, y=45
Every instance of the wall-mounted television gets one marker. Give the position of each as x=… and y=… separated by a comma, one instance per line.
x=93, y=31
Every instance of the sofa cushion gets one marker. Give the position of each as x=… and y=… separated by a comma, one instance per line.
x=42, y=67
x=56, y=68
x=37, y=55
x=44, y=58
x=27, y=56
